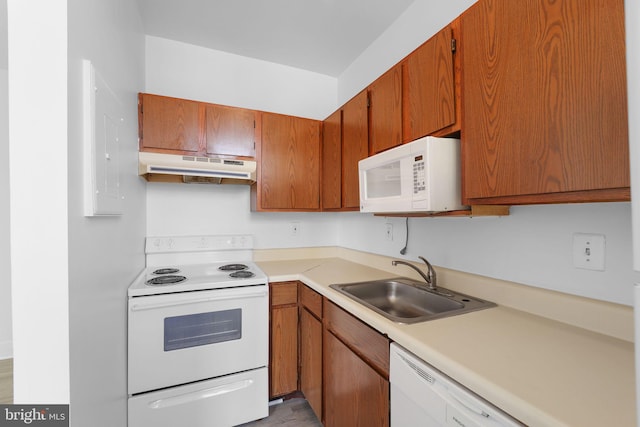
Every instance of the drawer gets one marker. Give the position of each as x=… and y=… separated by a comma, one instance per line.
x=362, y=339
x=283, y=293
x=311, y=300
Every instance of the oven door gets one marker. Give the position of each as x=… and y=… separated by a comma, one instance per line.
x=183, y=337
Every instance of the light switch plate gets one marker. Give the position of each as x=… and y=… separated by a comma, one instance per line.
x=589, y=251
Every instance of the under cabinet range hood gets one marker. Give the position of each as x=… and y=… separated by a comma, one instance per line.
x=160, y=167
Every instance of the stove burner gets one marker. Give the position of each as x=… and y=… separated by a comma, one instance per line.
x=241, y=274
x=166, y=271
x=233, y=267
x=166, y=280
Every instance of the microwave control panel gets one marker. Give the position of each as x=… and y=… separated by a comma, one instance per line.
x=419, y=179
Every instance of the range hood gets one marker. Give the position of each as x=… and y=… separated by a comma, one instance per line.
x=160, y=167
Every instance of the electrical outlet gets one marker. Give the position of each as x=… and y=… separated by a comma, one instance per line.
x=588, y=251
x=389, y=231
x=294, y=228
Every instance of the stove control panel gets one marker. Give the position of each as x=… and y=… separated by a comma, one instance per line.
x=172, y=244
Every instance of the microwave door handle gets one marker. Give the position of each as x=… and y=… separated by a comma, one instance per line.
x=199, y=395
x=140, y=306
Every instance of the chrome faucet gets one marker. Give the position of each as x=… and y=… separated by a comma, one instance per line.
x=430, y=277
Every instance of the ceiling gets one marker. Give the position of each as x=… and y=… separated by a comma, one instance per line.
x=323, y=36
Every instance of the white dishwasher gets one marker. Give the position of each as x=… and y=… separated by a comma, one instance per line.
x=422, y=396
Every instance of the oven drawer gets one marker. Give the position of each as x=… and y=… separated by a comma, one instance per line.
x=226, y=401
x=179, y=338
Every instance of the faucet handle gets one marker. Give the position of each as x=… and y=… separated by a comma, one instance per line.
x=431, y=273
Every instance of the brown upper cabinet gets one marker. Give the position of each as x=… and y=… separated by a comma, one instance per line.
x=429, y=95
x=544, y=105
x=230, y=131
x=345, y=142
x=169, y=125
x=332, y=161
x=181, y=126
x=289, y=164
x=355, y=147
x=385, y=111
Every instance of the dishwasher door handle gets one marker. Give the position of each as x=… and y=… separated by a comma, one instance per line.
x=469, y=406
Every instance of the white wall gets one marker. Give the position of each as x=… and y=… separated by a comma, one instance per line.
x=6, y=348
x=70, y=273
x=531, y=246
x=105, y=253
x=188, y=209
x=192, y=72
x=38, y=199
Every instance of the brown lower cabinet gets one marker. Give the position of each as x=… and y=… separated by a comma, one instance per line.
x=356, y=371
x=311, y=347
x=283, y=351
x=342, y=364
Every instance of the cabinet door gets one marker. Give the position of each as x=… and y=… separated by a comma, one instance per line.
x=355, y=394
x=385, y=110
x=544, y=117
x=311, y=360
x=283, y=355
x=355, y=147
x=428, y=87
x=230, y=131
x=168, y=124
x=289, y=163
x=332, y=161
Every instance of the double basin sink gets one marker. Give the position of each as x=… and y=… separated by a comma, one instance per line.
x=405, y=300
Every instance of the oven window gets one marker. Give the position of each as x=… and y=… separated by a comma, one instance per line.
x=192, y=330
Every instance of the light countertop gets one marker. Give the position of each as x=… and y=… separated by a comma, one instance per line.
x=540, y=371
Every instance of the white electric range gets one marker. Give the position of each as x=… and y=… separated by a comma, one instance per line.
x=198, y=334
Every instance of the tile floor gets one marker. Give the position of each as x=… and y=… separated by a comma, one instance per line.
x=294, y=412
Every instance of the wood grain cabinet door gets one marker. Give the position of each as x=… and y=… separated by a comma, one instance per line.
x=283, y=352
x=230, y=131
x=429, y=88
x=311, y=360
x=290, y=163
x=385, y=111
x=355, y=394
x=355, y=147
x=544, y=105
x=332, y=161
x=169, y=125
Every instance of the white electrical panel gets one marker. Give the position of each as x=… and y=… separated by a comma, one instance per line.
x=102, y=125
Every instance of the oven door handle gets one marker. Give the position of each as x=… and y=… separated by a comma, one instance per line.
x=140, y=306
x=199, y=395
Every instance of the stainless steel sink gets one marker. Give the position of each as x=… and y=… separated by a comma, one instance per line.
x=408, y=301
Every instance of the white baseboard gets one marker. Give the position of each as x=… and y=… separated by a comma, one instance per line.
x=6, y=349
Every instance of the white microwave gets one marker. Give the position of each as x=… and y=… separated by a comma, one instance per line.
x=421, y=176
